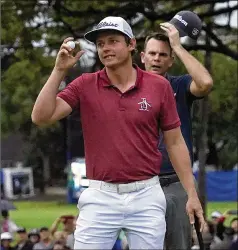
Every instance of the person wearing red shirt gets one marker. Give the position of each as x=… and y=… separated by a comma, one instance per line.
x=122, y=109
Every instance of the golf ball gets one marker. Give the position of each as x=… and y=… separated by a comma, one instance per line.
x=71, y=44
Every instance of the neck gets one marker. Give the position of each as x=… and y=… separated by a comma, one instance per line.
x=123, y=76
x=46, y=240
x=22, y=241
x=69, y=231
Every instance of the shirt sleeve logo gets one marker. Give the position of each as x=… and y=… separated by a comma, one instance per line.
x=144, y=105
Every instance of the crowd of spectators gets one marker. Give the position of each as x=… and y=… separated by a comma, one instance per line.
x=217, y=236
x=14, y=237
x=59, y=236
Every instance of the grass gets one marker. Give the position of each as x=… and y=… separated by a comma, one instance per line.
x=38, y=214
x=222, y=207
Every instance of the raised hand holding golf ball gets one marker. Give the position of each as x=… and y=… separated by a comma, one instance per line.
x=68, y=55
x=71, y=44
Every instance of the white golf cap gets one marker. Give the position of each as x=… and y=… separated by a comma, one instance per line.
x=6, y=236
x=110, y=23
x=216, y=214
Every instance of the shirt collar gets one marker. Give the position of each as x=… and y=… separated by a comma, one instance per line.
x=106, y=81
x=167, y=76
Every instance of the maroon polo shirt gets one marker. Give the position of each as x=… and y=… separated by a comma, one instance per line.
x=121, y=129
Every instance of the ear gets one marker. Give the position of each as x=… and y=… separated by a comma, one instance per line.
x=132, y=44
x=172, y=59
x=142, y=57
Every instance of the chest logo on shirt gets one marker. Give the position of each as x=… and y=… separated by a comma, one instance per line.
x=144, y=105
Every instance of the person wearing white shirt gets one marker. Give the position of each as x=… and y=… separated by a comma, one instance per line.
x=7, y=225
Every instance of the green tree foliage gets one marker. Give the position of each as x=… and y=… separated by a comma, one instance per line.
x=25, y=70
x=224, y=110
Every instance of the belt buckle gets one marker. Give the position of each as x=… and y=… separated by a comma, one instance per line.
x=126, y=188
x=121, y=188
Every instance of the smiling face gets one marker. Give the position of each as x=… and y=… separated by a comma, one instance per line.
x=157, y=56
x=113, y=49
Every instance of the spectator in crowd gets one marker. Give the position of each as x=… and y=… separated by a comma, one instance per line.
x=60, y=236
x=234, y=245
x=217, y=220
x=234, y=226
x=6, y=240
x=226, y=243
x=68, y=224
x=70, y=237
x=207, y=235
x=59, y=246
x=7, y=225
x=45, y=242
x=34, y=236
x=216, y=236
x=23, y=242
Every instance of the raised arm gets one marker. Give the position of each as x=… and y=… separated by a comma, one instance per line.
x=202, y=81
x=55, y=225
x=48, y=107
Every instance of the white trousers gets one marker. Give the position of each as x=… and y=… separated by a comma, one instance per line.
x=141, y=214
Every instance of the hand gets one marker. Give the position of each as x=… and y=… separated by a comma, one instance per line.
x=59, y=219
x=226, y=213
x=65, y=58
x=172, y=33
x=193, y=207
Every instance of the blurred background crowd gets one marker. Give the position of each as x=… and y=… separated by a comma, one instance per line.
x=60, y=236
x=19, y=238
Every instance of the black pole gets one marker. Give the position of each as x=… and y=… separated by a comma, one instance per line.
x=204, y=114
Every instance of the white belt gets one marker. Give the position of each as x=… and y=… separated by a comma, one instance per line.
x=123, y=188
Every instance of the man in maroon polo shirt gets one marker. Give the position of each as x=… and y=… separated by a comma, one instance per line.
x=121, y=109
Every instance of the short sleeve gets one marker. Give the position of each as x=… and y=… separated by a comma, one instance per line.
x=187, y=80
x=169, y=118
x=71, y=94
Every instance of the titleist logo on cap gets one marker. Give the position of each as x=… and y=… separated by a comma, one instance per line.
x=103, y=24
x=178, y=17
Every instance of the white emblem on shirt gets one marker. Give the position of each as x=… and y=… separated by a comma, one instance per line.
x=144, y=105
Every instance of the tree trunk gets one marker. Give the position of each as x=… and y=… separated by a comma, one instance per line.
x=204, y=114
x=202, y=154
x=46, y=169
x=45, y=172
